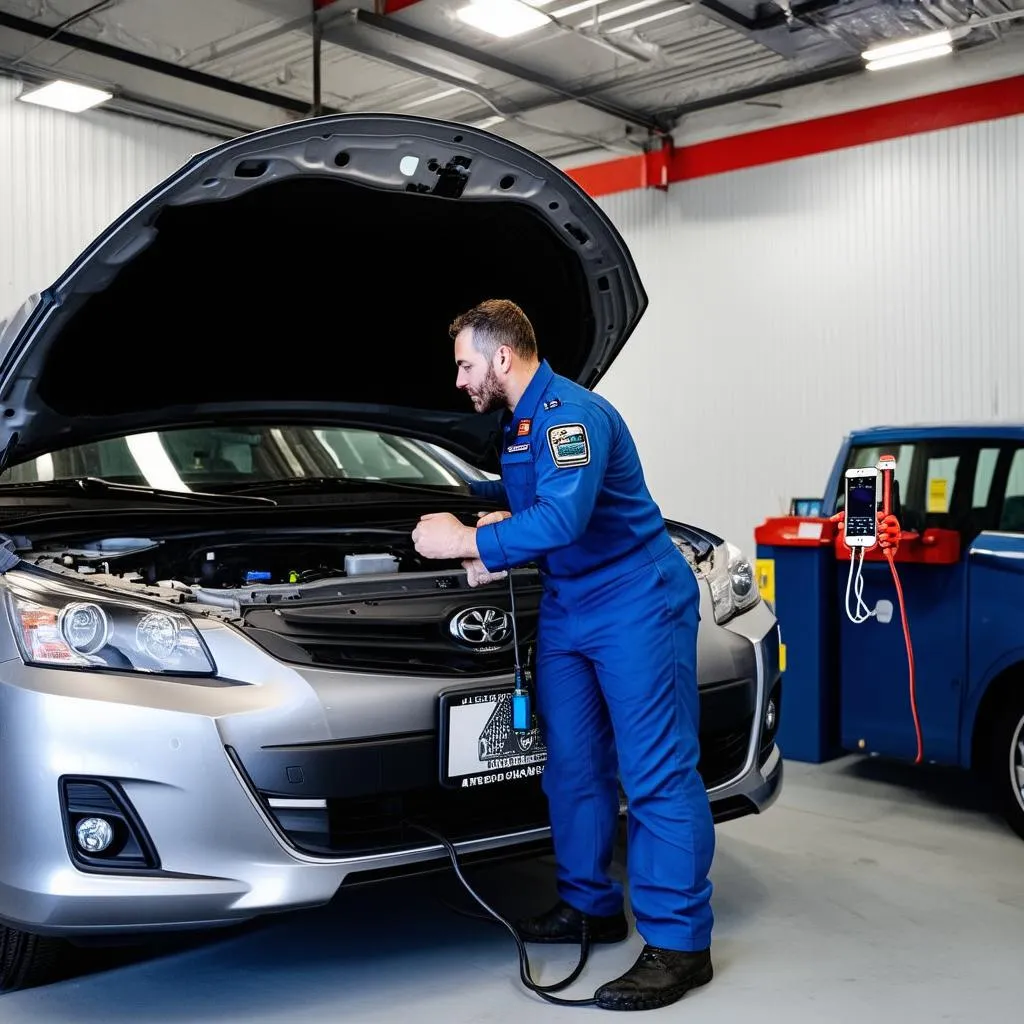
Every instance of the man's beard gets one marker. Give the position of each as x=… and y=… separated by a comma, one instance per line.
x=491, y=395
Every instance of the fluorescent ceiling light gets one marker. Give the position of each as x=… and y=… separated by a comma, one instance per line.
x=66, y=96
x=502, y=18
x=650, y=18
x=583, y=5
x=488, y=122
x=631, y=8
x=925, y=42
x=910, y=57
x=432, y=98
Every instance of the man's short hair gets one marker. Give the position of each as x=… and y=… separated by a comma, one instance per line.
x=497, y=322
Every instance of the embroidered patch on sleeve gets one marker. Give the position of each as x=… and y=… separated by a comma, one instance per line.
x=524, y=428
x=569, y=445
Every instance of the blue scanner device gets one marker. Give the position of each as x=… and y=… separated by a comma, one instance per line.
x=522, y=716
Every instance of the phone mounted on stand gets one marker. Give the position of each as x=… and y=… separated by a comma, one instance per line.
x=860, y=524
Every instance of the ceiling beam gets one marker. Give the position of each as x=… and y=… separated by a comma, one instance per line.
x=411, y=33
x=156, y=65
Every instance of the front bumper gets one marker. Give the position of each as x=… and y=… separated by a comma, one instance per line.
x=224, y=854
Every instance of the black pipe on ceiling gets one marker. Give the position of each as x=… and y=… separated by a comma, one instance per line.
x=154, y=64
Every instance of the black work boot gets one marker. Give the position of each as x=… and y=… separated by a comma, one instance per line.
x=563, y=923
x=659, y=977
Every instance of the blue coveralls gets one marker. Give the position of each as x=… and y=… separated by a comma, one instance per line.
x=616, y=650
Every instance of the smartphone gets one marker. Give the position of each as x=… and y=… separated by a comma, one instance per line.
x=860, y=529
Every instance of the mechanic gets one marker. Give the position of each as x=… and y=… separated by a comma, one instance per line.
x=616, y=657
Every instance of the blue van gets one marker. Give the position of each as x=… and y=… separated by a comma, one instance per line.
x=961, y=565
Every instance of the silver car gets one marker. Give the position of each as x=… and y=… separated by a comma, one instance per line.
x=228, y=684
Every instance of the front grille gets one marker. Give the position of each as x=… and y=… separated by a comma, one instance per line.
x=407, y=634
x=376, y=824
x=723, y=755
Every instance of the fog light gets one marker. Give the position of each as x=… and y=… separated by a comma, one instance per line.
x=770, y=716
x=94, y=834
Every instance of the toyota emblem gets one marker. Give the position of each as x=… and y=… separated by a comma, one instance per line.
x=482, y=627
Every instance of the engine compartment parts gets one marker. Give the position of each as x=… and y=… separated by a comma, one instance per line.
x=255, y=560
x=372, y=564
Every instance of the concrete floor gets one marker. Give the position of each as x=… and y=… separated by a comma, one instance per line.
x=870, y=892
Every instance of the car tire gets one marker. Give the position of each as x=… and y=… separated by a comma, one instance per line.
x=1006, y=760
x=27, y=960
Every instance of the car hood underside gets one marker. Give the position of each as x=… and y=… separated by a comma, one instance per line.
x=310, y=273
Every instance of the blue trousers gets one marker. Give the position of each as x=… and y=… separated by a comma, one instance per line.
x=617, y=696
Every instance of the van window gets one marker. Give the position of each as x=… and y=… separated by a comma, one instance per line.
x=983, y=475
x=1012, y=518
x=939, y=484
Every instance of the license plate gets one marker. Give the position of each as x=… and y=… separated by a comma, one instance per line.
x=478, y=745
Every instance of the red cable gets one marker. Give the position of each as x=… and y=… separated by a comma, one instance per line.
x=890, y=555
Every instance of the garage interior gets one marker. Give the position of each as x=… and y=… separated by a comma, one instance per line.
x=830, y=240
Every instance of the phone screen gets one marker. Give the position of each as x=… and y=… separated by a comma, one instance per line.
x=861, y=505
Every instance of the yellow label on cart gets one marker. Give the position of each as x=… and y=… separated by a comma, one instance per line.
x=782, y=657
x=937, y=496
x=765, y=569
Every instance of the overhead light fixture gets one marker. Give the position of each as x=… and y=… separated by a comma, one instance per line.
x=621, y=12
x=911, y=57
x=68, y=96
x=575, y=8
x=488, y=122
x=502, y=18
x=650, y=17
x=430, y=98
x=907, y=51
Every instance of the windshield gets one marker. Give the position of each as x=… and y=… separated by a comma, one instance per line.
x=209, y=458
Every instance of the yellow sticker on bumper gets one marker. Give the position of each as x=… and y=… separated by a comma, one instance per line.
x=765, y=569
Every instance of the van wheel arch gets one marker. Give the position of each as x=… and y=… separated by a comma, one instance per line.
x=998, y=728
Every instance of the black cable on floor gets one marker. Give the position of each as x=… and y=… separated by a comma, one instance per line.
x=544, y=991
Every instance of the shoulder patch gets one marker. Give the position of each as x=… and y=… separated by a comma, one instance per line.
x=569, y=444
x=552, y=403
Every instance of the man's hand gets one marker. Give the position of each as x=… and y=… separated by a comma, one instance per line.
x=477, y=574
x=486, y=518
x=440, y=535
x=889, y=531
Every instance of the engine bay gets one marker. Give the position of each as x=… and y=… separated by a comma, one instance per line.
x=229, y=573
x=235, y=570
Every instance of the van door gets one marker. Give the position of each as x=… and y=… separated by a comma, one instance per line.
x=996, y=590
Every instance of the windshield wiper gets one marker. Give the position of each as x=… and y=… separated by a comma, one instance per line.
x=341, y=483
x=95, y=485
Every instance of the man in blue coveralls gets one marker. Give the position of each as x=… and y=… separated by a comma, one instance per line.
x=616, y=657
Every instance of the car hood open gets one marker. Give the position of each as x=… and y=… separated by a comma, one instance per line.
x=308, y=273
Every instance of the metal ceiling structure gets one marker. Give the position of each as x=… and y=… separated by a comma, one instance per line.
x=615, y=76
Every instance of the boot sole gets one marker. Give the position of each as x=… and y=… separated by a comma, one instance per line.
x=665, y=998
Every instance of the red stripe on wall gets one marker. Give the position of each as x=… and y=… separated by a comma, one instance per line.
x=974, y=103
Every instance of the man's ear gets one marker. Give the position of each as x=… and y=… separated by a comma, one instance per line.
x=504, y=357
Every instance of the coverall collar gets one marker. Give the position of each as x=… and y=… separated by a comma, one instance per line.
x=526, y=407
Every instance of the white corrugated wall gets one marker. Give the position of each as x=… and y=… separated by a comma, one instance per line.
x=793, y=302
x=63, y=178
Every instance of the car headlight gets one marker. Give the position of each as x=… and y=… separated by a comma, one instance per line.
x=74, y=631
x=732, y=583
